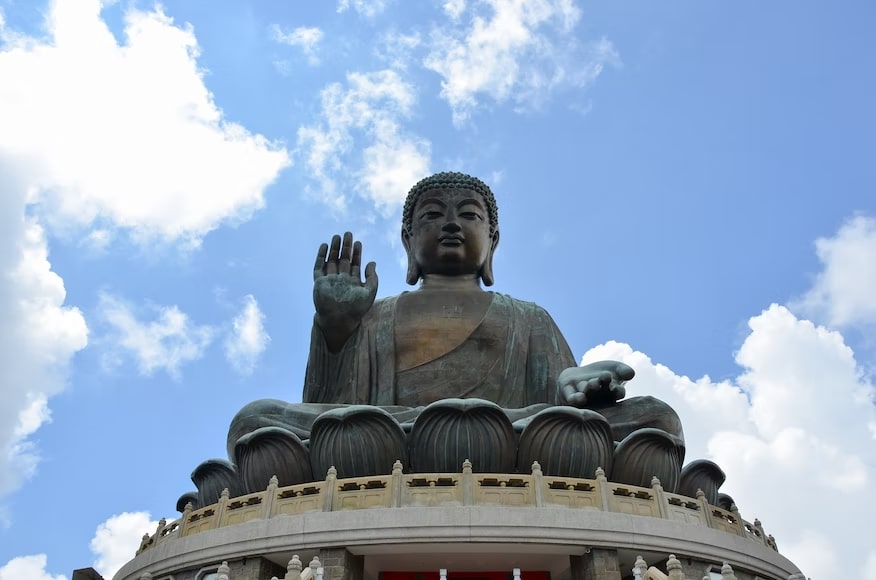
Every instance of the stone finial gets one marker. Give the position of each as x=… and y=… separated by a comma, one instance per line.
x=700, y=493
x=673, y=568
x=727, y=572
x=314, y=564
x=536, y=468
x=655, y=481
x=145, y=576
x=146, y=537
x=189, y=507
x=600, y=473
x=161, y=523
x=442, y=574
x=293, y=569
x=516, y=573
x=222, y=573
x=466, y=466
x=274, y=481
x=397, y=467
x=757, y=523
x=639, y=568
x=225, y=494
x=332, y=472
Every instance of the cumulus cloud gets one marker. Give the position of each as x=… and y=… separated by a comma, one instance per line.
x=305, y=37
x=843, y=292
x=517, y=50
x=38, y=338
x=248, y=338
x=116, y=540
x=166, y=342
x=127, y=135
x=364, y=116
x=28, y=567
x=791, y=432
x=100, y=137
x=367, y=8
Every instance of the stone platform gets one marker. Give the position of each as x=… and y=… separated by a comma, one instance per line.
x=573, y=529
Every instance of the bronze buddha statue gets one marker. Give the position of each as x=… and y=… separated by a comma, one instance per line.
x=447, y=372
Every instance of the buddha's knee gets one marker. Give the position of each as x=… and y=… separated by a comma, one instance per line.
x=255, y=415
x=357, y=440
x=450, y=431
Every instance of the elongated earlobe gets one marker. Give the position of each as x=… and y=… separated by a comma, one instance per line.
x=413, y=274
x=487, y=269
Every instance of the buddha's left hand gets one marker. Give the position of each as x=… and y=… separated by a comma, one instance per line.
x=594, y=384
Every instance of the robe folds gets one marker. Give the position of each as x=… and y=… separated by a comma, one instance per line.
x=512, y=358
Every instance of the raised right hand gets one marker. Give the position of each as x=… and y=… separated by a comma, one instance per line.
x=339, y=295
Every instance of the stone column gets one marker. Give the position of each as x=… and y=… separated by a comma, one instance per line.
x=339, y=564
x=597, y=564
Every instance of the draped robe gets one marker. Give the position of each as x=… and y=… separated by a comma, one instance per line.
x=512, y=358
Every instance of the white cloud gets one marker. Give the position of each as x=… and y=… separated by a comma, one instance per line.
x=38, y=337
x=397, y=49
x=127, y=135
x=367, y=8
x=844, y=290
x=116, y=540
x=365, y=116
x=248, y=338
x=100, y=136
x=454, y=8
x=518, y=50
x=306, y=38
x=28, y=568
x=791, y=432
x=166, y=342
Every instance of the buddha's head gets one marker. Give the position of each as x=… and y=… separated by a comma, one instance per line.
x=450, y=227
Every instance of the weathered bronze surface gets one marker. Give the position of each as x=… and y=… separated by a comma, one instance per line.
x=449, y=340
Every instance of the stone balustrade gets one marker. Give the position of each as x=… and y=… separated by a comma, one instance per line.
x=400, y=490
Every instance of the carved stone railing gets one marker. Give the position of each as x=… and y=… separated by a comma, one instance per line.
x=400, y=490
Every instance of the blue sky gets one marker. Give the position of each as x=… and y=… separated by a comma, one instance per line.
x=685, y=186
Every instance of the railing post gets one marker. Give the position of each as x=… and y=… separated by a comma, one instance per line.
x=397, y=484
x=704, y=505
x=328, y=499
x=293, y=569
x=739, y=523
x=220, y=507
x=602, y=484
x=538, y=483
x=639, y=568
x=467, y=483
x=270, y=497
x=759, y=527
x=660, y=498
x=673, y=568
x=223, y=572
x=184, y=521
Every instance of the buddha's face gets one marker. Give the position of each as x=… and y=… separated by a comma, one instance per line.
x=450, y=233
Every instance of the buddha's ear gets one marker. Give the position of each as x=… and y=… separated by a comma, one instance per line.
x=487, y=269
x=413, y=274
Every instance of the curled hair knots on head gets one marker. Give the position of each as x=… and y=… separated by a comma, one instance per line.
x=450, y=180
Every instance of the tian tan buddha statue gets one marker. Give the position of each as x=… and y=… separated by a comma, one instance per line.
x=445, y=373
